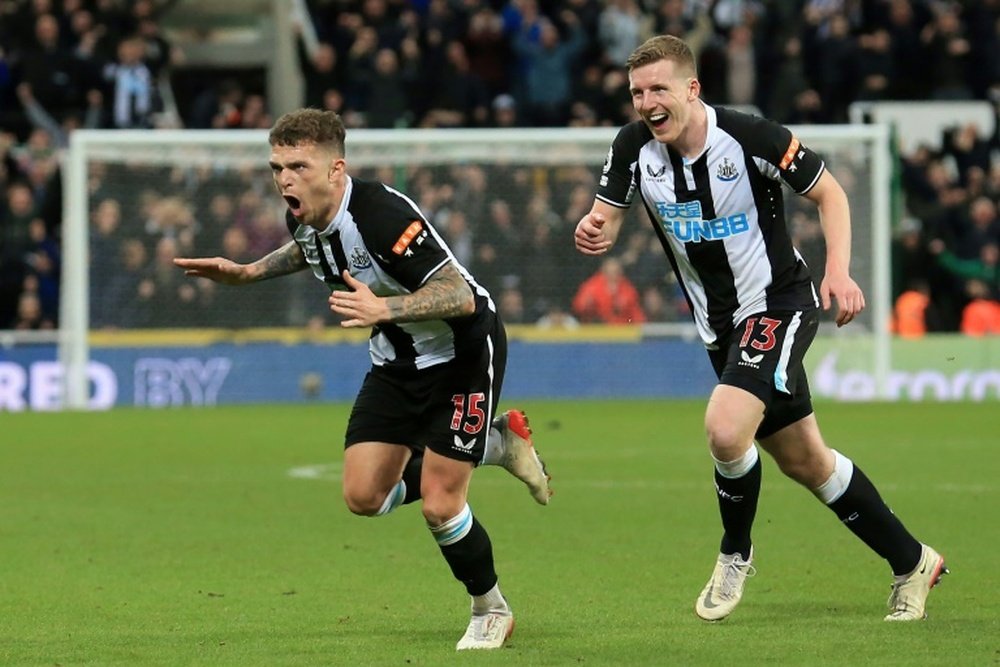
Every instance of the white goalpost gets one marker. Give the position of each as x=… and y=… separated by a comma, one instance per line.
x=169, y=184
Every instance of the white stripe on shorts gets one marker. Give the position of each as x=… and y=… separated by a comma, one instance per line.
x=781, y=371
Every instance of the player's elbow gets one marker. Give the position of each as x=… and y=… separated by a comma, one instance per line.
x=467, y=301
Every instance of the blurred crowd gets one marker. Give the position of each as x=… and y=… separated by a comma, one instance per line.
x=946, y=254
x=67, y=64
x=433, y=63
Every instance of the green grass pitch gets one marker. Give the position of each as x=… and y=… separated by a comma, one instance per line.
x=218, y=537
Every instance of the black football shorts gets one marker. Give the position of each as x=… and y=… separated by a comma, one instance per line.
x=764, y=356
x=447, y=408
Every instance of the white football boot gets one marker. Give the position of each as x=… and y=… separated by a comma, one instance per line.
x=723, y=591
x=909, y=592
x=487, y=631
x=519, y=456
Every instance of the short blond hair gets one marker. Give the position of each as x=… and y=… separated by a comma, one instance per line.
x=663, y=47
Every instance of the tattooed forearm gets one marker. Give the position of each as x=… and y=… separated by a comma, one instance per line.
x=286, y=259
x=445, y=294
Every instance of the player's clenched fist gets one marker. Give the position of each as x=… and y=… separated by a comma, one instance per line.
x=590, y=237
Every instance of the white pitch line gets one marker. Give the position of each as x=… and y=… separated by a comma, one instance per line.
x=322, y=471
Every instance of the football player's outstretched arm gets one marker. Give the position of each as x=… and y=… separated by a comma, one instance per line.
x=445, y=294
x=835, y=219
x=598, y=230
x=286, y=259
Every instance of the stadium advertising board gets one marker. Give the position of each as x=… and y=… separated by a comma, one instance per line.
x=946, y=368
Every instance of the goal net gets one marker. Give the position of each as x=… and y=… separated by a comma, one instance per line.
x=507, y=201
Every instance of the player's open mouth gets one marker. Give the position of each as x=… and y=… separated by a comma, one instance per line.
x=294, y=205
x=658, y=120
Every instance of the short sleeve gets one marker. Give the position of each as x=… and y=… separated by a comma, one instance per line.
x=617, y=183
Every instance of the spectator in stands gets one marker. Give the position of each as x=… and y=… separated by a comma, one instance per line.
x=655, y=305
x=17, y=211
x=983, y=270
x=254, y=114
x=217, y=106
x=57, y=79
x=264, y=231
x=43, y=263
x=15, y=221
x=126, y=297
x=875, y=65
x=460, y=98
x=387, y=88
x=588, y=88
x=29, y=313
x=459, y=235
x=981, y=317
x=105, y=251
x=911, y=259
x=741, y=66
x=545, y=264
x=320, y=69
x=37, y=151
x=168, y=299
x=909, y=59
x=609, y=297
x=618, y=107
x=948, y=52
x=213, y=221
x=85, y=38
x=511, y=305
x=622, y=26
x=171, y=217
x=978, y=227
x=909, y=312
x=158, y=53
x=390, y=27
x=359, y=68
x=969, y=150
x=958, y=242
x=132, y=89
x=488, y=50
x=504, y=111
x=837, y=68
x=790, y=82
x=550, y=63
x=498, y=246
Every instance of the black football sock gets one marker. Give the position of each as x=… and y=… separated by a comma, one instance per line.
x=738, y=507
x=467, y=548
x=863, y=511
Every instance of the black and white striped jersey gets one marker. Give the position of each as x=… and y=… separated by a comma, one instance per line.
x=720, y=216
x=383, y=239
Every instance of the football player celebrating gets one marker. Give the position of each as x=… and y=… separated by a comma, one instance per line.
x=710, y=179
x=425, y=416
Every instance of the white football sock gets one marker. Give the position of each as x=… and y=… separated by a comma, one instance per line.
x=834, y=487
x=492, y=601
x=494, y=451
x=739, y=467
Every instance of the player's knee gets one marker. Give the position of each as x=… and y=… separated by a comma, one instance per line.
x=726, y=441
x=363, y=502
x=438, y=509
